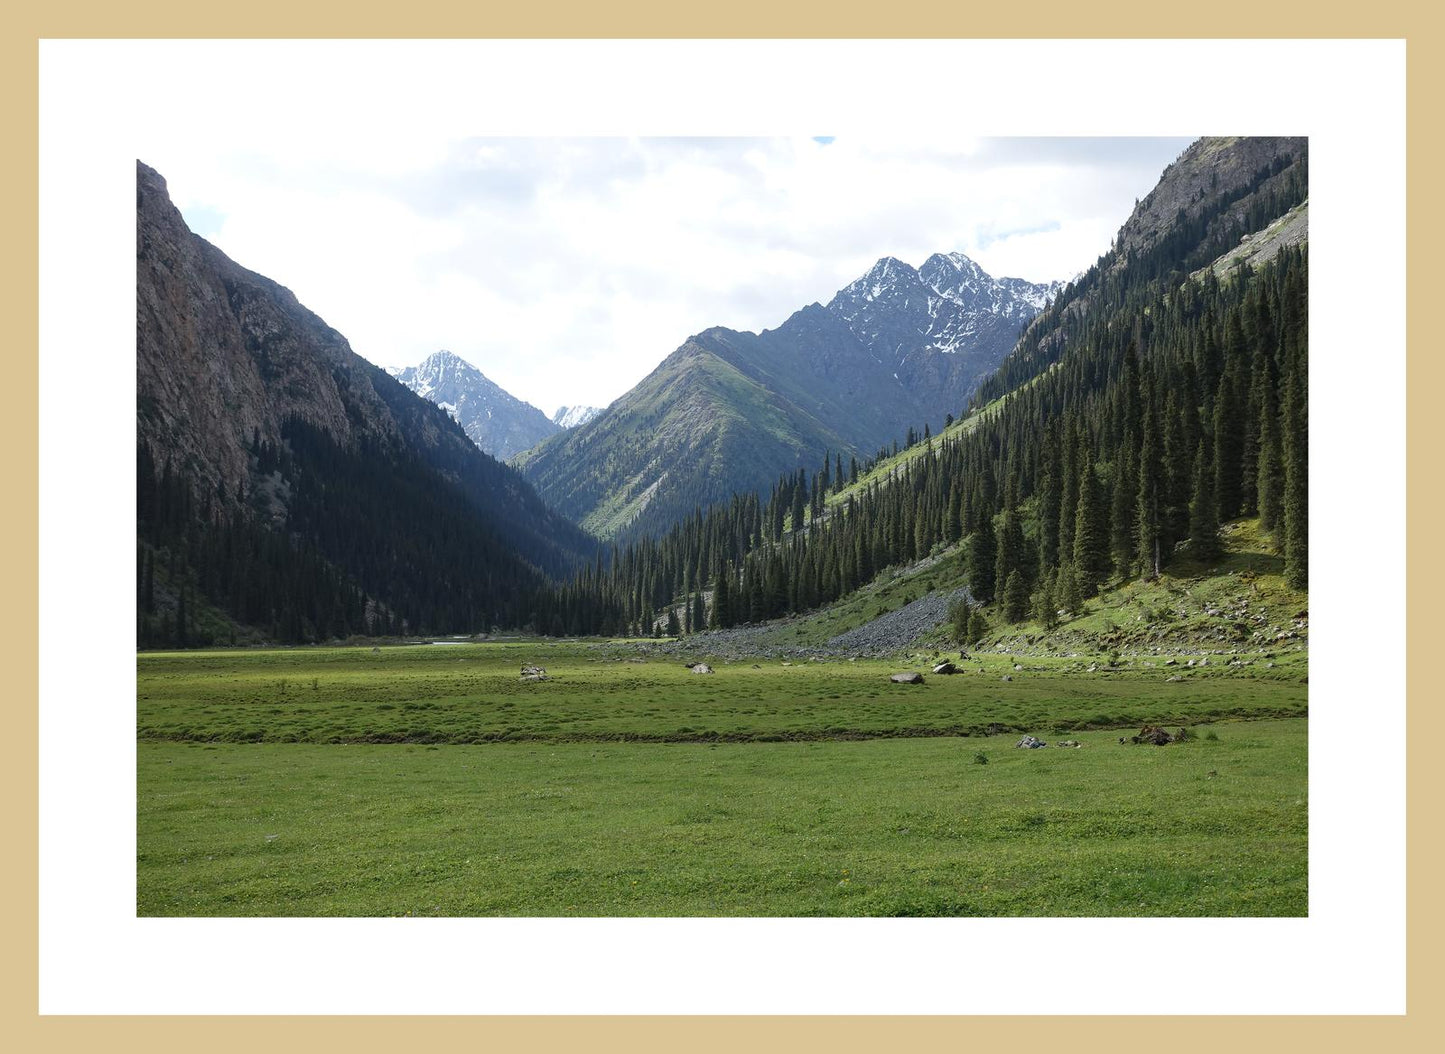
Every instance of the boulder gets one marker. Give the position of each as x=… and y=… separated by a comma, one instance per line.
x=528, y=670
x=701, y=667
x=1069, y=743
x=1029, y=743
x=1159, y=736
x=944, y=668
x=907, y=678
x=1006, y=677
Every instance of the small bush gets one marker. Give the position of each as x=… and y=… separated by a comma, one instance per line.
x=1211, y=735
x=980, y=758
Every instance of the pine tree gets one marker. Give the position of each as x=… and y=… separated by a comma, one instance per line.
x=180, y=634
x=1148, y=526
x=1121, y=509
x=1203, y=518
x=959, y=613
x=1228, y=445
x=1010, y=552
x=983, y=563
x=1271, y=467
x=148, y=588
x=953, y=517
x=1068, y=489
x=977, y=625
x=1044, y=605
x=1050, y=496
x=1296, y=479
x=721, y=617
x=1066, y=589
x=1091, y=542
x=1259, y=383
x=1178, y=485
x=1015, y=598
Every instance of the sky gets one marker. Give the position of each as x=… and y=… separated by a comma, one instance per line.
x=567, y=269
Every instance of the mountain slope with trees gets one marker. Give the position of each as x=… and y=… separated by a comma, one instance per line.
x=1141, y=410
x=729, y=412
x=286, y=486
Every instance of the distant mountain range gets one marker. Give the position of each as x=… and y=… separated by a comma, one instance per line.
x=494, y=419
x=497, y=421
x=730, y=411
x=572, y=416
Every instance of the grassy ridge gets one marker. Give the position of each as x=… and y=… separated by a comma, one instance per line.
x=886, y=827
x=472, y=694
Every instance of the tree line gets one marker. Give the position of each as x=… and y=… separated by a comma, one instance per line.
x=1181, y=409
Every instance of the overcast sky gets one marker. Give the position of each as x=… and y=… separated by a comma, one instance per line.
x=566, y=269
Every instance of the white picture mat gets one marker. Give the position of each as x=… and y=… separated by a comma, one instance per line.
x=103, y=102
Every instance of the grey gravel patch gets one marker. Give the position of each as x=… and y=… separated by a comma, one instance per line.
x=886, y=635
x=899, y=629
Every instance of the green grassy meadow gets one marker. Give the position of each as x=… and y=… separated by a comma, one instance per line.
x=430, y=780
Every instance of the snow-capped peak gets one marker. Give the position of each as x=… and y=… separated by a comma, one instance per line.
x=950, y=304
x=494, y=419
x=573, y=416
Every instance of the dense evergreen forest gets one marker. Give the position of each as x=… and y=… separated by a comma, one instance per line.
x=1171, y=406
x=354, y=524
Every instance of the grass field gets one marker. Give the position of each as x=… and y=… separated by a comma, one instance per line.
x=430, y=780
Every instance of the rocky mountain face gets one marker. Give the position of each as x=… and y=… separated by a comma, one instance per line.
x=247, y=402
x=731, y=411
x=1209, y=169
x=572, y=416
x=1224, y=200
x=942, y=328
x=495, y=420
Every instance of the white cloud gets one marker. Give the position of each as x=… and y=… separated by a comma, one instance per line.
x=566, y=269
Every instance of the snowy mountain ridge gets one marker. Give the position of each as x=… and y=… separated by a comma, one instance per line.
x=574, y=416
x=948, y=303
x=495, y=420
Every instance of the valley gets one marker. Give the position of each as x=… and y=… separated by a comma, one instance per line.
x=426, y=781
x=408, y=646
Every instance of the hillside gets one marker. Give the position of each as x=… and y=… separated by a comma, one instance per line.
x=725, y=413
x=289, y=489
x=1219, y=192
x=729, y=411
x=498, y=422
x=1142, y=409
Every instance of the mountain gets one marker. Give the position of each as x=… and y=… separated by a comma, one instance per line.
x=572, y=416
x=495, y=420
x=941, y=328
x=1219, y=194
x=286, y=485
x=730, y=411
x=1150, y=428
